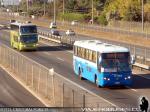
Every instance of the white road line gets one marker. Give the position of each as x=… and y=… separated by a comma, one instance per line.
x=131, y=88
x=57, y=47
x=60, y=59
x=47, y=53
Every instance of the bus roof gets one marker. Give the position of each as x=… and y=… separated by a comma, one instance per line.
x=22, y=24
x=99, y=46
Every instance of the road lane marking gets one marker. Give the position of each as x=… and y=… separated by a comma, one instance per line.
x=60, y=59
x=131, y=88
x=57, y=47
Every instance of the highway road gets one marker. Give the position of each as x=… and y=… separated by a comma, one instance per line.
x=54, y=56
x=12, y=94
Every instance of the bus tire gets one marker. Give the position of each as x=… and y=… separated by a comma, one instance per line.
x=19, y=48
x=80, y=74
x=96, y=81
x=12, y=45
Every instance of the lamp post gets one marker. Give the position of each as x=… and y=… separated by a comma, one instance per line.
x=54, y=10
x=92, y=12
x=44, y=7
x=27, y=3
x=142, y=16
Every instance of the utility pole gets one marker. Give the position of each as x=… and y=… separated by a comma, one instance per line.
x=142, y=15
x=63, y=7
x=54, y=10
x=92, y=12
x=27, y=3
x=44, y=7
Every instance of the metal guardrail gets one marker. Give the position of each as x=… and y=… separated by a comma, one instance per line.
x=63, y=40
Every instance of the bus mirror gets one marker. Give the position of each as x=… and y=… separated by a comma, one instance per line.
x=132, y=59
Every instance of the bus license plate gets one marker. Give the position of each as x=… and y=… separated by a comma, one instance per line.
x=117, y=82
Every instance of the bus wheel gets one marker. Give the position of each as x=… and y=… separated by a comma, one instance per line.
x=12, y=45
x=80, y=74
x=96, y=81
x=19, y=48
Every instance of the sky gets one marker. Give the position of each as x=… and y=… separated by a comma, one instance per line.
x=11, y=2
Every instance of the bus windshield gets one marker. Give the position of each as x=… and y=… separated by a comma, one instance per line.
x=29, y=38
x=119, y=64
x=28, y=29
x=119, y=61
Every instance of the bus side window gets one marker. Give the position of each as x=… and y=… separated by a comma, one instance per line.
x=94, y=56
x=87, y=54
x=82, y=52
x=90, y=55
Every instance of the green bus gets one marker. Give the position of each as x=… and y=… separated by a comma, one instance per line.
x=23, y=36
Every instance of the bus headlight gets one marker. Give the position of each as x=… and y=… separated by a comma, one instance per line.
x=108, y=79
x=105, y=78
x=129, y=77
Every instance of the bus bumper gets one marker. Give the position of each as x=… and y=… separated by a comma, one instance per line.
x=110, y=83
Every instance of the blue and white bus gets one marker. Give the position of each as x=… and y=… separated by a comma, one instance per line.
x=102, y=63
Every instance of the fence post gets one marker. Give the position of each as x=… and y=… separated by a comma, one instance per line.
x=83, y=100
x=51, y=72
x=73, y=98
x=134, y=52
x=32, y=76
x=39, y=79
x=63, y=94
x=47, y=84
x=145, y=56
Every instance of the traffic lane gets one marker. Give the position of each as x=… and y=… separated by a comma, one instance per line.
x=14, y=95
x=121, y=97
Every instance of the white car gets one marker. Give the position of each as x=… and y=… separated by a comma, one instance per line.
x=52, y=25
x=75, y=22
x=70, y=32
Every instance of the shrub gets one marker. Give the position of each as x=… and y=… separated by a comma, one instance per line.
x=102, y=20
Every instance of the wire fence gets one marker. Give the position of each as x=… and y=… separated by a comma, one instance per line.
x=58, y=90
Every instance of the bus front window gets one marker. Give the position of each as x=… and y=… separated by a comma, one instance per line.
x=29, y=39
x=28, y=29
x=108, y=63
x=118, y=64
x=123, y=65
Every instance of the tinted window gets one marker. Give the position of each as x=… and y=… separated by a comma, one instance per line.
x=28, y=29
